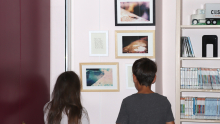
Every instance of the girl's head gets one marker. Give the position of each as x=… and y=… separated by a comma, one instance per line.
x=67, y=88
x=66, y=99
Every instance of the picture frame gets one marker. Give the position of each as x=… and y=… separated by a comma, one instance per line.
x=135, y=13
x=129, y=77
x=99, y=77
x=134, y=44
x=98, y=43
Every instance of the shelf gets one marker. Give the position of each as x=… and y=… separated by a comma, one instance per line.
x=199, y=90
x=199, y=58
x=197, y=120
x=200, y=26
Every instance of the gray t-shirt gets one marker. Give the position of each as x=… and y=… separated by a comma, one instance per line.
x=145, y=109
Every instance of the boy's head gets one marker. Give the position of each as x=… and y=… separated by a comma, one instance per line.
x=144, y=70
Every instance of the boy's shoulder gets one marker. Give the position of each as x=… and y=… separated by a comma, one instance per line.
x=154, y=96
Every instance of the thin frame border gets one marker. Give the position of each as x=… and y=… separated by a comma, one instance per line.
x=133, y=31
x=128, y=88
x=90, y=44
x=141, y=24
x=100, y=63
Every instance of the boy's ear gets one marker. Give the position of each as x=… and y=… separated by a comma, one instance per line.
x=154, y=79
x=134, y=78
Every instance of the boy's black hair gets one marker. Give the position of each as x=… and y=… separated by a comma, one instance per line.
x=145, y=70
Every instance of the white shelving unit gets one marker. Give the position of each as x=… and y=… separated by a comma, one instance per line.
x=179, y=91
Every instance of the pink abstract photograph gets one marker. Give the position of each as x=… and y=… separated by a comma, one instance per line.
x=135, y=11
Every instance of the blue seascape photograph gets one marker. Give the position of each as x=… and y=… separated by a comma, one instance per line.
x=99, y=77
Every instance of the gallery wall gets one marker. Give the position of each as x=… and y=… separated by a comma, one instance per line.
x=98, y=15
x=165, y=56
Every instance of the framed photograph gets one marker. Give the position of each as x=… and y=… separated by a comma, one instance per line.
x=134, y=12
x=134, y=44
x=98, y=43
x=129, y=77
x=99, y=77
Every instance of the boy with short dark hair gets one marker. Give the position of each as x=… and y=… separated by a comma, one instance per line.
x=145, y=107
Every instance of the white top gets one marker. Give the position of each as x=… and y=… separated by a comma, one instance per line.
x=64, y=120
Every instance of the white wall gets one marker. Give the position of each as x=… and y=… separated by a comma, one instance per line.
x=57, y=40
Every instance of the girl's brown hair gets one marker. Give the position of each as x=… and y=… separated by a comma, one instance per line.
x=65, y=98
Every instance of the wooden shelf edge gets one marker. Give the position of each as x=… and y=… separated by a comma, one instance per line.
x=199, y=90
x=199, y=26
x=196, y=120
x=199, y=58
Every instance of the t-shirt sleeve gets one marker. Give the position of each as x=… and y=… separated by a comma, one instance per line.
x=85, y=117
x=169, y=115
x=122, y=116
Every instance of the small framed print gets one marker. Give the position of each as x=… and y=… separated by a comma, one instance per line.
x=99, y=77
x=129, y=77
x=134, y=44
x=134, y=12
x=98, y=43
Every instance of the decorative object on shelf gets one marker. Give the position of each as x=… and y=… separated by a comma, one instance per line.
x=200, y=108
x=209, y=15
x=129, y=77
x=134, y=12
x=186, y=47
x=200, y=78
x=99, y=77
x=210, y=39
x=98, y=43
x=134, y=43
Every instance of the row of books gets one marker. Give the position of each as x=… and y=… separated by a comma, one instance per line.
x=200, y=108
x=186, y=47
x=200, y=78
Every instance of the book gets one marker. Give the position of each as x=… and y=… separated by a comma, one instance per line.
x=200, y=108
x=186, y=47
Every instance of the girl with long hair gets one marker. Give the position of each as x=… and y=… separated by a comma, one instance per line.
x=65, y=106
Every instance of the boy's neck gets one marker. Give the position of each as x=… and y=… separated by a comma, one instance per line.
x=145, y=90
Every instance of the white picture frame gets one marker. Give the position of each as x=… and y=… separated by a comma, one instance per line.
x=129, y=77
x=98, y=43
x=99, y=77
x=125, y=36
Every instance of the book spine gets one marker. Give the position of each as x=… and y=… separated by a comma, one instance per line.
x=182, y=112
x=218, y=82
x=194, y=108
x=181, y=78
x=196, y=78
x=191, y=48
x=190, y=77
x=206, y=108
x=203, y=107
x=200, y=79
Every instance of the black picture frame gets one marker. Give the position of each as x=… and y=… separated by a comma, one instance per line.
x=210, y=39
x=123, y=19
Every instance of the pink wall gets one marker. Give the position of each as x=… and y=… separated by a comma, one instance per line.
x=99, y=106
x=57, y=40
x=169, y=49
x=103, y=107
